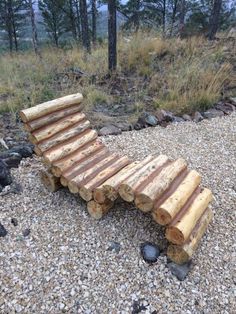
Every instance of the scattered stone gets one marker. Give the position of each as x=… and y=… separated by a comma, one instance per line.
x=3, y=231
x=225, y=107
x=187, y=117
x=26, y=232
x=168, y=116
x=123, y=126
x=109, y=130
x=197, y=117
x=5, y=175
x=25, y=150
x=137, y=126
x=178, y=119
x=150, y=252
x=179, y=271
x=147, y=119
x=14, y=188
x=12, y=160
x=160, y=115
x=213, y=113
x=14, y=221
x=114, y=246
x=138, y=307
x=233, y=100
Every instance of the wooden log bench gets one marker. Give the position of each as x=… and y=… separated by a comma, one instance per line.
x=77, y=159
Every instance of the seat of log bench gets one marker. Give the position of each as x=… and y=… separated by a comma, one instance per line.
x=77, y=159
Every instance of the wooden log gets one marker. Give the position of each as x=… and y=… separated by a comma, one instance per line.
x=65, y=123
x=37, y=151
x=142, y=176
x=97, y=211
x=180, y=229
x=182, y=254
x=49, y=107
x=68, y=147
x=86, y=191
x=76, y=157
x=51, y=182
x=146, y=198
x=75, y=184
x=167, y=207
x=51, y=118
x=109, y=189
x=64, y=135
x=84, y=165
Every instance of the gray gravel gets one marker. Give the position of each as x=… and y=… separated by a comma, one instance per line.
x=65, y=265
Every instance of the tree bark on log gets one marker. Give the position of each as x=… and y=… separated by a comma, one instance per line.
x=64, y=135
x=180, y=229
x=146, y=198
x=63, y=124
x=97, y=211
x=51, y=182
x=78, y=156
x=75, y=184
x=84, y=165
x=182, y=254
x=86, y=191
x=49, y=107
x=165, y=211
x=68, y=147
x=109, y=189
x=142, y=177
x=51, y=117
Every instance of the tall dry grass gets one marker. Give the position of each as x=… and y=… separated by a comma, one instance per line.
x=181, y=75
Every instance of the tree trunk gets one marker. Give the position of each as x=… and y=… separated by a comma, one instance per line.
x=78, y=19
x=173, y=16
x=84, y=24
x=182, y=16
x=34, y=29
x=164, y=18
x=112, y=36
x=94, y=21
x=72, y=20
x=215, y=18
x=8, y=8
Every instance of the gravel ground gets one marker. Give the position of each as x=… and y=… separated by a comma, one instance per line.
x=64, y=265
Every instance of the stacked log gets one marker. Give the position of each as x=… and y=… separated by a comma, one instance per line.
x=78, y=160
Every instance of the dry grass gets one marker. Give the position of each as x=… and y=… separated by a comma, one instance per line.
x=181, y=75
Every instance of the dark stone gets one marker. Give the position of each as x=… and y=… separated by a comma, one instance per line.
x=123, y=126
x=114, y=246
x=137, y=126
x=109, y=130
x=197, y=117
x=187, y=117
x=25, y=150
x=12, y=160
x=226, y=107
x=14, y=222
x=3, y=231
x=26, y=232
x=150, y=252
x=147, y=119
x=213, y=113
x=160, y=115
x=5, y=175
x=168, y=116
x=138, y=307
x=179, y=271
x=178, y=119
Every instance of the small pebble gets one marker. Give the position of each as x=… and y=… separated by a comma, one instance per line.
x=179, y=271
x=3, y=231
x=114, y=246
x=14, y=222
x=26, y=232
x=150, y=252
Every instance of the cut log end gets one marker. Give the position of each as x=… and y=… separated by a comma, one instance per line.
x=56, y=171
x=73, y=188
x=174, y=235
x=126, y=193
x=50, y=181
x=64, y=181
x=97, y=211
x=177, y=254
x=111, y=192
x=144, y=203
x=86, y=194
x=38, y=152
x=161, y=216
x=99, y=195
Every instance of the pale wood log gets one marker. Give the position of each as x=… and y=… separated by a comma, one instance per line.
x=182, y=254
x=37, y=151
x=179, y=231
x=76, y=157
x=51, y=182
x=109, y=189
x=164, y=212
x=48, y=131
x=145, y=199
x=84, y=165
x=51, y=118
x=75, y=184
x=50, y=106
x=97, y=211
x=86, y=191
x=64, y=135
x=68, y=147
x=142, y=177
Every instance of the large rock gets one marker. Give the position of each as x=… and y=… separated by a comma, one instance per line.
x=13, y=156
x=179, y=271
x=197, y=117
x=213, y=113
x=124, y=126
x=187, y=117
x=109, y=130
x=147, y=119
x=5, y=175
x=227, y=108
